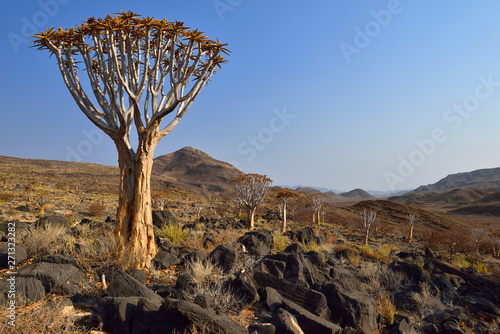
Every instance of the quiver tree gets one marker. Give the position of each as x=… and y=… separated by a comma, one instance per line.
x=251, y=189
x=283, y=196
x=478, y=234
x=316, y=202
x=411, y=219
x=368, y=217
x=139, y=70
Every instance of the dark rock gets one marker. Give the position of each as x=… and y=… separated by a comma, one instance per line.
x=346, y=253
x=315, y=258
x=266, y=328
x=164, y=291
x=179, y=315
x=64, y=279
x=164, y=260
x=312, y=300
x=138, y=274
x=299, y=269
x=21, y=229
x=402, y=327
x=414, y=273
x=286, y=323
x=478, y=305
x=309, y=322
x=25, y=289
x=306, y=235
x=163, y=218
x=54, y=221
x=430, y=329
x=448, y=291
x=294, y=248
x=264, y=236
x=59, y=259
x=254, y=245
x=224, y=257
x=204, y=300
x=273, y=299
x=270, y=266
x=452, y=327
x=196, y=256
x=244, y=288
x=17, y=255
x=350, y=305
x=125, y=285
x=126, y=315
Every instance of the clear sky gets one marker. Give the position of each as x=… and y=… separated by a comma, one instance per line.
x=377, y=95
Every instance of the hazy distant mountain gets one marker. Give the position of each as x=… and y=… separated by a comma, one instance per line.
x=484, y=179
x=322, y=189
x=194, y=169
x=357, y=194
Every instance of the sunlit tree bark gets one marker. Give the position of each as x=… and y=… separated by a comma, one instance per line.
x=138, y=70
x=284, y=195
x=368, y=217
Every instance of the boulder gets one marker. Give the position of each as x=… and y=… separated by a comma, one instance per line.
x=286, y=323
x=17, y=255
x=294, y=248
x=126, y=315
x=309, y=322
x=54, y=221
x=243, y=287
x=179, y=315
x=164, y=260
x=124, y=285
x=163, y=218
x=350, y=305
x=224, y=257
x=311, y=300
x=59, y=259
x=26, y=289
x=64, y=279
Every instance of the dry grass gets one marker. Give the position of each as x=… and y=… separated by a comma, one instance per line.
x=175, y=233
x=427, y=301
x=40, y=317
x=280, y=242
x=386, y=307
x=49, y=239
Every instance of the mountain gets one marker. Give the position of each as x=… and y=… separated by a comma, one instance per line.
x=484, y=179
x=195, y=170
x=357, y=194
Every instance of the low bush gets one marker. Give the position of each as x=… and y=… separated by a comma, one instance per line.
x=175, y=233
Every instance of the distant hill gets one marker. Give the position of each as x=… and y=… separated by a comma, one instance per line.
x=484, y=179
x=308, y=190
x=195, y=170
x=357, y=194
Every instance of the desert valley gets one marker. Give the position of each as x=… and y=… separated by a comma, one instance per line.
x=214, y=275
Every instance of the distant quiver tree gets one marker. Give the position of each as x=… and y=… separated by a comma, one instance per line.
x=251, y=189
x=284, y=195
x=138, y=70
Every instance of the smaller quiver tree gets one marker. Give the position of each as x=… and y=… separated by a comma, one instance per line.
x=316, y=202
x=368, y=217
x=251, y=189
x=411, y=219
x=284, y=195
x=478, y=234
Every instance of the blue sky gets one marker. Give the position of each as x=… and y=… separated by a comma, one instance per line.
x=376, y=95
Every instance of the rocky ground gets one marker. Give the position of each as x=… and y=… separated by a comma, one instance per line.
x=211, y=275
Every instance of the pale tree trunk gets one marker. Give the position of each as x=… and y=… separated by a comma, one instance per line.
x=283, y=226
x=365, y=240
x=318, y=217
x=410, y=237
x=251, y=218
x=134, y=225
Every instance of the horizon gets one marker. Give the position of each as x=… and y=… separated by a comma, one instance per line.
x=363, y=95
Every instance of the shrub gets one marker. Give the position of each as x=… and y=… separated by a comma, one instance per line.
x=426, y=301
x=280, y=242
x=393, y=281
x=48, y=239
x=386, y=308
x=97, y=209
x=175, y=233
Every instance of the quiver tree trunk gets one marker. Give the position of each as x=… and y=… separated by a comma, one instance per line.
x=134, y=226
x=283, y=225
x=251, y=217
x=410, y=236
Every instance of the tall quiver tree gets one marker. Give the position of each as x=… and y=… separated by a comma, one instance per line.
x=411, y=219
x=316, y=202
x=139, y=71
x=252, y=190
x=368, y=217
x=283, y=196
